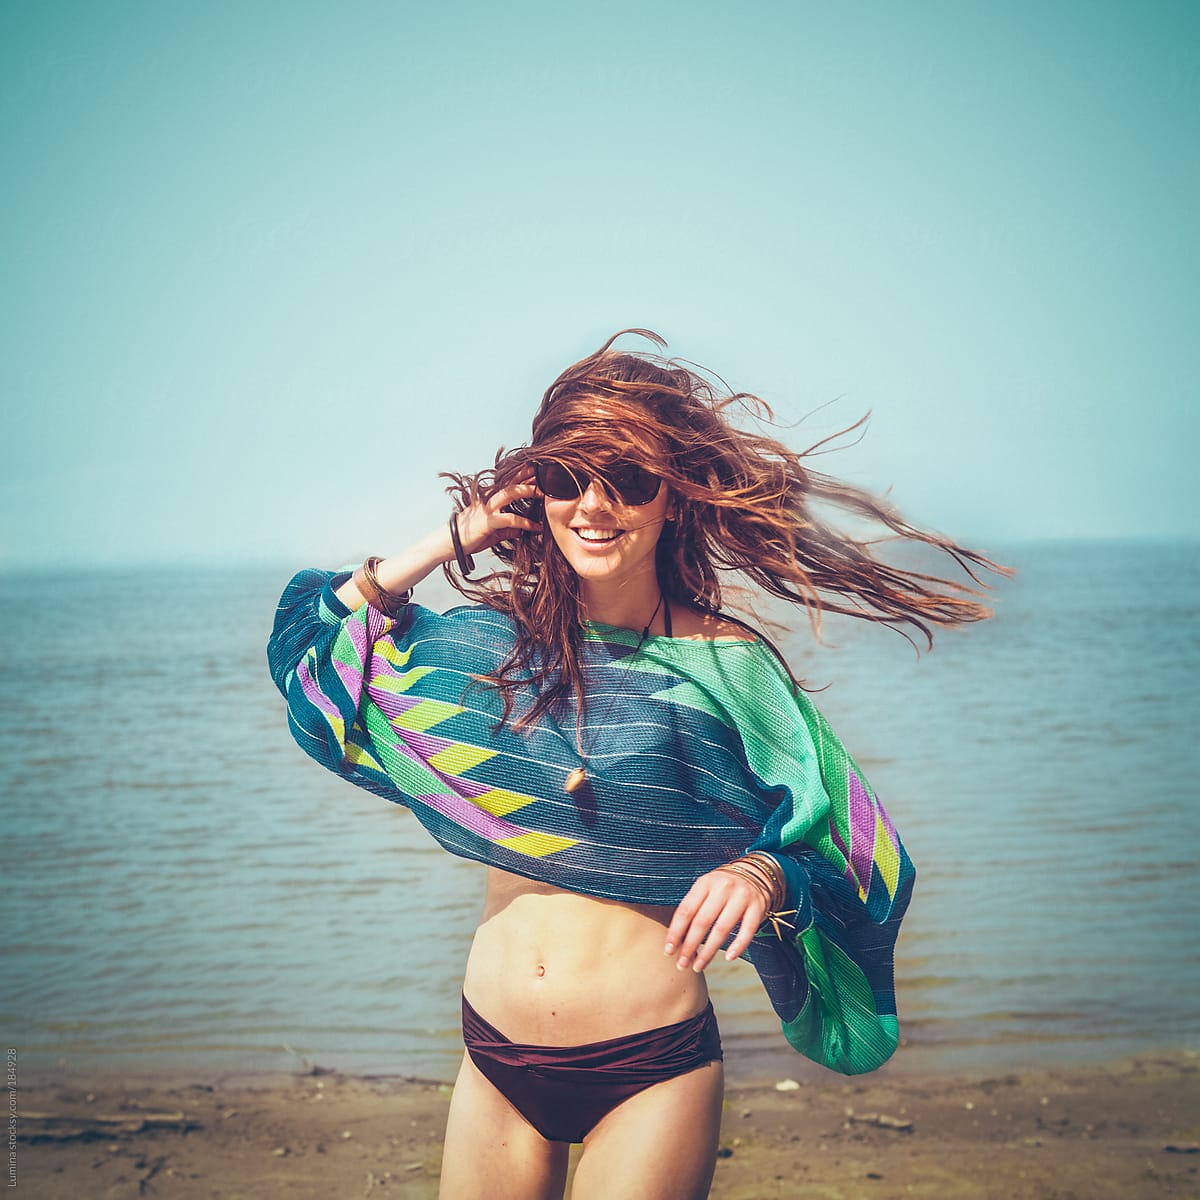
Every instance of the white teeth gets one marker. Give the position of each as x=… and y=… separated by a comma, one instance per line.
x=598, y=535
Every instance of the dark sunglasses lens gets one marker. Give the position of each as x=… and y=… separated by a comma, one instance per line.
x=557, y=482
x=632, y=484
x=635, y=485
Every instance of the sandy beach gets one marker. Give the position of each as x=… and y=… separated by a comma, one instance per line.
x=1127, y=1129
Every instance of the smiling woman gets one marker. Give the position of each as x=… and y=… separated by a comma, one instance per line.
x=607, y=540
x=644, y=779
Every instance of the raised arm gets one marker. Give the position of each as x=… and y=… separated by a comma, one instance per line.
x=320, y=650
x=479, y=526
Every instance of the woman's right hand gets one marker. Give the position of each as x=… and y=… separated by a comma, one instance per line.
x=482, y=524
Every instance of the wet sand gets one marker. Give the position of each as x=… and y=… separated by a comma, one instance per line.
x=1129, y=1129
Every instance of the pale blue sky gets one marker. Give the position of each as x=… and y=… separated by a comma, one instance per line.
x=268, y=267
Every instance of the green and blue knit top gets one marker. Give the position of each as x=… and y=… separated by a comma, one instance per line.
x=696, y=752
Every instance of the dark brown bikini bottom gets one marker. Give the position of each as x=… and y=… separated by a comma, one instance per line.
x=563, y=1091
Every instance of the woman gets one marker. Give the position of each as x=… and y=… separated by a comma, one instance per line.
x=640, y=773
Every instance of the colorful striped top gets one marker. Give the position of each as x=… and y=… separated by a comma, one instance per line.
x=697, y=751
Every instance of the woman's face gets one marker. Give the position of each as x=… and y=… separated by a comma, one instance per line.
x=604, y=539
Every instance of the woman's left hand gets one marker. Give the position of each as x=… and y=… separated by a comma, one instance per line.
x=716, y=905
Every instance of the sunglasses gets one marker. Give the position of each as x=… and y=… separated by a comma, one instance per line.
x=631, y=484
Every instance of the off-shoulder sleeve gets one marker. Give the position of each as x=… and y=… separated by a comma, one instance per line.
x=829, y=972
x=309, y=614
x=358, y=699
x=318, y=656
x=396, y=707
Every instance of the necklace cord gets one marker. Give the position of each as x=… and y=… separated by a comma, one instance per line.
x=579, y=776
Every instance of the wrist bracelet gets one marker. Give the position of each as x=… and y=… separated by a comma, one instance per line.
x=779, y=883
x=391, y=604
x=751, y=877
x=466, y=564
x=765, y=873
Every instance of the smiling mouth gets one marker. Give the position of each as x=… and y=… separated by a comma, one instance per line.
x=597, y=537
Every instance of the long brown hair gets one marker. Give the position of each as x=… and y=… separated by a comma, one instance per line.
x=743, y=503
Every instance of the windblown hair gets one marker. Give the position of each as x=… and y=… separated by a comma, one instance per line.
x=743, y=502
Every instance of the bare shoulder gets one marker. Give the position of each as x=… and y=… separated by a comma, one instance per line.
x=705, y=627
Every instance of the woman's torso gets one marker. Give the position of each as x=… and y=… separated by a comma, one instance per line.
x=550, y=967
x=554, y=968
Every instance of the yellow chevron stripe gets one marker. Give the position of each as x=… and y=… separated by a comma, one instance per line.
x=388, y=650
x=886, y=858
x=500, y=802
x=360, y=756
x=426, y=715
x=338, y=726
x=400, y=683
x=460, y=757
x=536, y=845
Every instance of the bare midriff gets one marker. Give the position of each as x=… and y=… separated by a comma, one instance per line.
x=554, y=968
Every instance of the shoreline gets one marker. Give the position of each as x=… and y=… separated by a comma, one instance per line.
x=1130, y=1127
x=751, y=1059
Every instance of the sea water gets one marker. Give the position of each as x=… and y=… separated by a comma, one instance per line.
x=183, y=888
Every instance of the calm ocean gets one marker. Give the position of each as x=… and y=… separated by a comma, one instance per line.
x=183, y=888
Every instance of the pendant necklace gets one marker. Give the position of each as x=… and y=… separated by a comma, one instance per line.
x=579, y=776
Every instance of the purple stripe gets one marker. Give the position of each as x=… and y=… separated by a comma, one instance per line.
x=471, y=817
x=880, y=811
x=392, y=704
x=893, y=837
x=862, y=829
x=470, y=787
x=457, y=808
x=425, y=745
x=359, y=638
x=837, y=841
x=378, y=624
x=380, y=667
x=351, y=677
x=313, y=693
